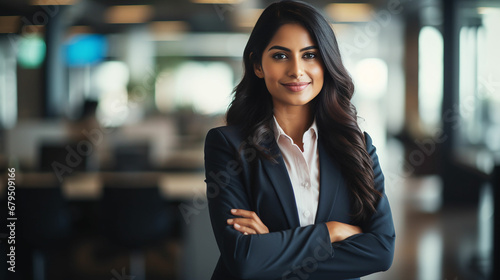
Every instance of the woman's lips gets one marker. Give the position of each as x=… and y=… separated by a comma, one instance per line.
x=296, y=86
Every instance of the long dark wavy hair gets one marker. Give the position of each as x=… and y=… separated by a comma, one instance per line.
x=336, y=117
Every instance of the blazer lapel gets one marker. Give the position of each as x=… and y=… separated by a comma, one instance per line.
x=280, y=179
x=330, y=177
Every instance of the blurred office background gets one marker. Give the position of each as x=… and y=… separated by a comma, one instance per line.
x=104, y=106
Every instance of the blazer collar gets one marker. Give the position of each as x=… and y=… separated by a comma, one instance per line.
x=280, y=179
x=329, y=183
x=330, y=178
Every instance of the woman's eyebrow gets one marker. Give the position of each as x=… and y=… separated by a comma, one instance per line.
x=288, y=50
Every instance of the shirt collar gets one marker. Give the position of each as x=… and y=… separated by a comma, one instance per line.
x=278, y=131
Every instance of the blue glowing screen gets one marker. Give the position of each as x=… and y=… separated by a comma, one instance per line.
x=86, y=49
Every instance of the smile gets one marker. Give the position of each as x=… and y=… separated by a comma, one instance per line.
x=296, y=86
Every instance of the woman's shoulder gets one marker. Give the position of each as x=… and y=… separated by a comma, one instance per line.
x=368, y=139
x=369, y=143
x=231, y=133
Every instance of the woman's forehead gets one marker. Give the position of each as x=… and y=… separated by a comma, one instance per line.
x=292, y=35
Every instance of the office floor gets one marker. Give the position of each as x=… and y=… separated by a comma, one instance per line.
x=432, y=245
x=433, y=241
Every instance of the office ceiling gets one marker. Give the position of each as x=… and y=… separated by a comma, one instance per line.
x=95, y=16
x=198, y=17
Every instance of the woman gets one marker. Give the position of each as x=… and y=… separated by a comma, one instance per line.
x=295, y=189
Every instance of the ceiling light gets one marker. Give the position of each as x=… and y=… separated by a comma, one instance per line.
x=129, y=14
x=350, y=12
x=52, y=2
x=168, y=26
x=216, y=1
x=168, y=30
x=9, y=24
x=249, y=17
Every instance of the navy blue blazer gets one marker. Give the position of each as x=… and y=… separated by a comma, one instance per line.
x=288, y=251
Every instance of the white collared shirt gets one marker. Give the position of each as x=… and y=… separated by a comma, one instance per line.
x=303, y=169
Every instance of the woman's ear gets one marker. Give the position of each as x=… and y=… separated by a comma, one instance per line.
x=257, y=69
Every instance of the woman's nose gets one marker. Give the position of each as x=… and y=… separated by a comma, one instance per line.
x=295, y=69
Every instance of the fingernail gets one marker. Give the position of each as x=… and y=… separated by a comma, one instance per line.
x=233, y=210
x=230, y=221
x=237, y=226
x=245, y=233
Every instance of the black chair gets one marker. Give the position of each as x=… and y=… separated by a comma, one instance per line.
x=132, y=157
x=133, y=218
x=66, y=154
x=43, y=225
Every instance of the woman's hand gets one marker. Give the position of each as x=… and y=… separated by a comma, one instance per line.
x=249, y=223
x=340, y=231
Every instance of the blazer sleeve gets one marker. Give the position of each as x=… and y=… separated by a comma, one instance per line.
x=372, y=250
x=289, y=252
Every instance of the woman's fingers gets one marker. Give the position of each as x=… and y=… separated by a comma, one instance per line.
x=250, y=222
x=247, y=214
x=243, y=229
x=244, y=213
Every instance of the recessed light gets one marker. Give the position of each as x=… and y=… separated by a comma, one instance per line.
x=52, y=2
x=129, y=14
x=350, y=12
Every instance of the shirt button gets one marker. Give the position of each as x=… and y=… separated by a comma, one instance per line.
x=305, y=184
x=306, y=213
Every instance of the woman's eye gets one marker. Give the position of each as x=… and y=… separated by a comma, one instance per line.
x=310, y=55
x=279, y=56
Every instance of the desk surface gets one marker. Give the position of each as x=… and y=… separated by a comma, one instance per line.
x=88, y=185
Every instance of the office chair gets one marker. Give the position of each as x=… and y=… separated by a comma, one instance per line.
x=43, y=225
x=133, y=218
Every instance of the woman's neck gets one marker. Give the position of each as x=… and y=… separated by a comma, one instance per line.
x=294, y=120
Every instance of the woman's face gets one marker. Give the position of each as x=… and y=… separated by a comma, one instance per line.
x=291, y=67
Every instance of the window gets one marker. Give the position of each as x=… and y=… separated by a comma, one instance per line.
x=430, y=76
